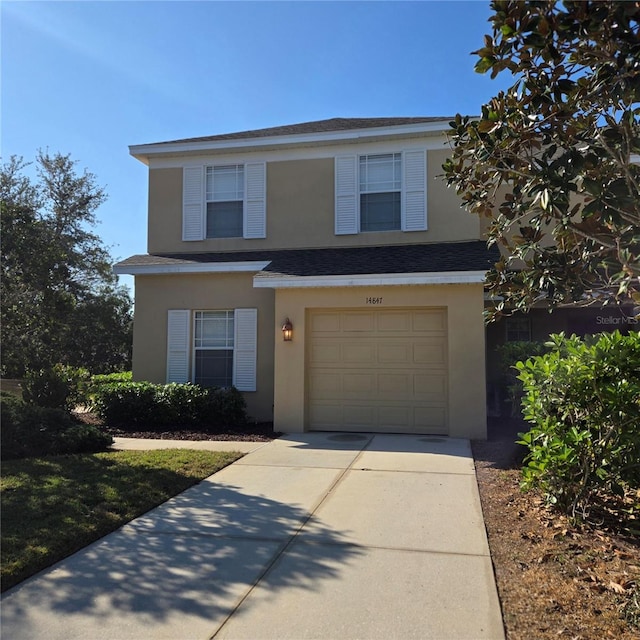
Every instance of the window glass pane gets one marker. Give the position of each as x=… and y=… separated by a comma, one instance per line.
x=518, y=329
x=380, y=211
x=225, y=183
x=214, y=329
x=214, y=367
x=381, y=172
x=224, y=219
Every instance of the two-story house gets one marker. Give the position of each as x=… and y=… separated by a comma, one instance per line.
x=323, y=270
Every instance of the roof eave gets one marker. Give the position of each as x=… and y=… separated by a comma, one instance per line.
x=369, y=280
x=143, y=152
x=249, y=266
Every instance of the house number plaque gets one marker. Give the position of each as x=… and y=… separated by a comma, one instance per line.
x=373, y=300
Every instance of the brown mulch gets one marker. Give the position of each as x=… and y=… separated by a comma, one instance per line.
x=556, y=579
x=252, y=432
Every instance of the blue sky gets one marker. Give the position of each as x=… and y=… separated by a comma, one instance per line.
x=91, y=78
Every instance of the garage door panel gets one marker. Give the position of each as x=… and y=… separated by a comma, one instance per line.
x=325, y=322
x=395, y=353
x=359, y=415
x=380, y=370
x=326, y=353
x=358, y=383
x=396, y=321
x=358, y=322
x=429, y=321
x=325, y=415
x=359, y=353
x=430, y=354
x=431, y=387
x=396, y=417
x=395, y=385
x=429, y=418
x=325, y=385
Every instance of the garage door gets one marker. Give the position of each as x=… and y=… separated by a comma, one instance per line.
x=377, y=370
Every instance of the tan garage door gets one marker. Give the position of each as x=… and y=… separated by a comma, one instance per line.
x=377, y=370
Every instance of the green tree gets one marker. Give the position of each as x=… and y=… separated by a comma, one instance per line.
x=60, y=299
x=552, y=162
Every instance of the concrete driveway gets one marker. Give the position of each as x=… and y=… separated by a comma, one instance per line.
x=318, y=535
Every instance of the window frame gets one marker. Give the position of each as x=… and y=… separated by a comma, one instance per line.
x=395, y=161
x=194, y=201
x=230, y=315
x=413, y=191
x=526, y=322
x=211, y=199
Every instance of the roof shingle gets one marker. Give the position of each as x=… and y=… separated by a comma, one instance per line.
x=317, y=126
x=416, y=258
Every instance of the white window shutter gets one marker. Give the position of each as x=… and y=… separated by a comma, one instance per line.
x=255, y=206
x=414, y=196
x=245, y=349
x=346, y=195
x=178, y=321
x=193, y=203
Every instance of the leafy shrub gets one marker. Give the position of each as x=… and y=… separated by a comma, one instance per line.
x=59, y=387
x=29, y=430
x=101, y=379
x=228, y=406
x=508, y=354
x=583, y=398
x=143, y=405
x=82, y=438
x=128, y=404
x=186, y=404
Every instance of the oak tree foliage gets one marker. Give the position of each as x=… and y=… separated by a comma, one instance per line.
x=61, y=303
x=553, y=163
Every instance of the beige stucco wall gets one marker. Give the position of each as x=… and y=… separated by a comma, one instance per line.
x=300, y=211
x=164, y=222
x=466, y=347
x=155, y=295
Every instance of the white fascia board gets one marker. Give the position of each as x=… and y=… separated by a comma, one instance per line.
x=284, y=153
x=370, y=280
x=145, y=150
x=209, y=267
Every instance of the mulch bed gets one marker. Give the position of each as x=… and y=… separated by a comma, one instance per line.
x=251, y=432
x=555, y=579
x=261, y=432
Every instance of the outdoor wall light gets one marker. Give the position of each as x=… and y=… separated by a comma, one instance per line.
x=287, y=330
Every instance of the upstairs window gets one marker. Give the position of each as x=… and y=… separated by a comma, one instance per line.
x=225, y=198
x=224, y=201
x=380, y=192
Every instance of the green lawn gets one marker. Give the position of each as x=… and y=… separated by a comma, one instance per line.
x=51, y=507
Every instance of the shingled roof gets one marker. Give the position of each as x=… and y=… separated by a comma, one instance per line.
x=417, y=258
x=316, y=126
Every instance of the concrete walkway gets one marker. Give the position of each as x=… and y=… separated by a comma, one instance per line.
x=345, y=536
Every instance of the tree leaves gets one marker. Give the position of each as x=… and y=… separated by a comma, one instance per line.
x=555, y=151
x=60, y=299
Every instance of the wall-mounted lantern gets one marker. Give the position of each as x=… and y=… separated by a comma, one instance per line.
x=287, y=330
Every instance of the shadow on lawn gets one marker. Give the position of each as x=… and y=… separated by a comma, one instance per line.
x=192, y=559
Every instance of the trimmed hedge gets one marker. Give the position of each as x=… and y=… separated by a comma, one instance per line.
x=583, y=400
x=146, y=406
x=29, y=431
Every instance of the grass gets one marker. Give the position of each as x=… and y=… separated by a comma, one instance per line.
x=54, y=506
